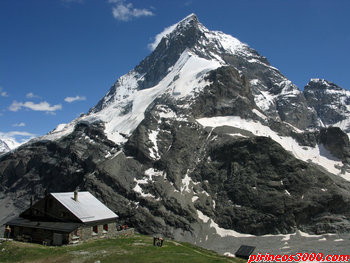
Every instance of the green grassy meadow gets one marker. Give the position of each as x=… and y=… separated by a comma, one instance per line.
x=137, y=248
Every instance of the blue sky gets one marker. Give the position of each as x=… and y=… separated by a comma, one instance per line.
x=59, y=57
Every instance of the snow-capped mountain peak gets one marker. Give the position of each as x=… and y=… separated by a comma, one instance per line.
x=193, y=62
x=7, y=144
x=178, y=66
x=190, y=20
x=4, y=147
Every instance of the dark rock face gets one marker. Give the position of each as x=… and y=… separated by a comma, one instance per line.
x=57, y=166
x=229, y=94
x=259, y=188
x=296, y=111
x=171, y=168
x=287, y=102
x=329, y=100
x=336, y=142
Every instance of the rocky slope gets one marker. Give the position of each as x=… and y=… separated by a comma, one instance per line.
x=331, y=102
x=203, y=130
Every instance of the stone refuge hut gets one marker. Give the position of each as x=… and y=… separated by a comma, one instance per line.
x=64, y=218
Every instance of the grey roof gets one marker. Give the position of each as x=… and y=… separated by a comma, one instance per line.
x=88, y=208
x=56, y=226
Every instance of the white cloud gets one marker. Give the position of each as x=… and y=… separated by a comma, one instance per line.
x=3, y=93
x=15, y=106
x=17, y=133
x=21, y=124
x=15, y=138
x=51, y=113
x=76, y=98
x=125, y=11
x=42, y=106
x=158, y=37
x=31, y=95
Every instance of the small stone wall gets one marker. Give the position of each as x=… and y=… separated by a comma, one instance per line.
x=126, y=232
x=87, y=233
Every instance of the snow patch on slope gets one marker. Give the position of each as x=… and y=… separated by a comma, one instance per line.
x=7, y=144
x=139, y=190
x=167, y=113
x=344, y=125
x=263, y=99
x=147, y=179
x=185, y=78
x=220, y=231
x=187, y=184
x=60, y=131
x=317, y=154
x=258, y=113
x=124, y=109
x=288, y=89
x=229, y=43
x=190, y=77
x=154, y=152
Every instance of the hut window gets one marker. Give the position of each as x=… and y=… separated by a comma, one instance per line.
x=105, y=227
x=95, y=229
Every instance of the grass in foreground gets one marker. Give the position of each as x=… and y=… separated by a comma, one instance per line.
x=137, y=248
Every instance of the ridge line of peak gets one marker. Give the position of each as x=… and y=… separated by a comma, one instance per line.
x=191, y=16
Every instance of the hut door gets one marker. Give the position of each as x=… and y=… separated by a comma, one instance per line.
x=57, y=239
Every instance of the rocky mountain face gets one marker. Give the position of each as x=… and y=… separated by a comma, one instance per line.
x=331, y=102
x=203, y=130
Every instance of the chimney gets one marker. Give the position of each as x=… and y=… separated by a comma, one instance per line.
x=46, y=198
x=31, y=206
x=76, y=195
